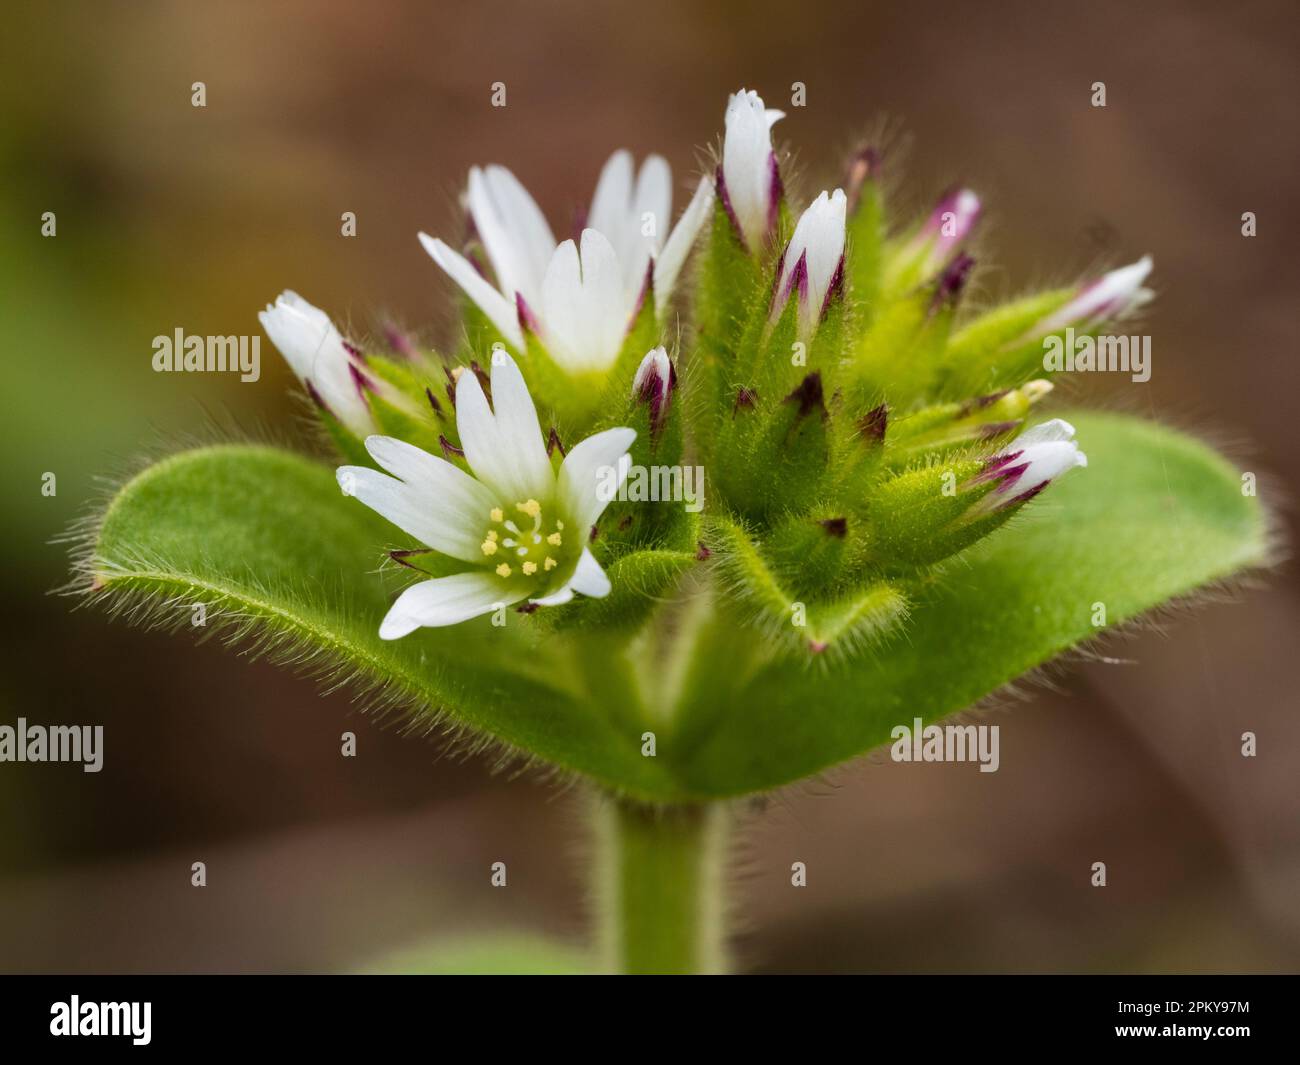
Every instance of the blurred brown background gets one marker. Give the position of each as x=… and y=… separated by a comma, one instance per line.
x=174, y=216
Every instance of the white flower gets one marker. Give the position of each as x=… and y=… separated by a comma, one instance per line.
x=521, y=529
x=749, y=181
x=320, y=358
x=1111, y=296
x=812, y=266
x=580, y=299
x=1029, y=464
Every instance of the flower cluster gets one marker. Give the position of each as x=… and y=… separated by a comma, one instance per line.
x=858, y=423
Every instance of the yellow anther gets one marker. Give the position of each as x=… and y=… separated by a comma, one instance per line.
x=489, y=548
x=497, y=514
x=550, y=563
x=503, y=570
x=559, y=525
x=492, y=534
x=532, y=508
x=553, y=539
x=530, y=568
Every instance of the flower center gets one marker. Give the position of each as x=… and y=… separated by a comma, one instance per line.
x=524, y=544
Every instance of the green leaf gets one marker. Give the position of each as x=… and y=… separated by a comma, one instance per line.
x=266, y=541
x=1153, y=517
x=496, y=954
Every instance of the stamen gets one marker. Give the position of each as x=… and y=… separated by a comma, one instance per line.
x=550, y=563
x=492, y=534
x=503, y=570
x=530, y=568
x=489, y=547
x=497, y=514
x=554, y=538
x=532, y=508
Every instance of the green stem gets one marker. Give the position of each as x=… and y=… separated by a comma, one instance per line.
x=660, y=890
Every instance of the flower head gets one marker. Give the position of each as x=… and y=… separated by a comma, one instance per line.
x=323, y=361
x=520, y=528
x=1030, y=463
x=749, y=181
x=812, y=266
x=579, y=297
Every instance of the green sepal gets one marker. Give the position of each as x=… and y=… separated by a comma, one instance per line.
x=807, y=552
x=922, y=516
x=642, y=338
x=419, y=429
x=755, y=592
x=865, y=251
x=997, y=350
x=728, y=290
x=351, y=448
x=640, y=581
x=943, y=428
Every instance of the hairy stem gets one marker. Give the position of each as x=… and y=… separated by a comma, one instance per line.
x=660, y=887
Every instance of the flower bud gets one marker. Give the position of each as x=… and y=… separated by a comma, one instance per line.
x=945, y=231
x=924, y=515
x=653, y=385
x=811, y=269
x=749, y=181
x=323, y=361
x=1111, y=296
x=1031, y=462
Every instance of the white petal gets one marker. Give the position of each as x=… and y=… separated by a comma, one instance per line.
x=604, y=300
x=1113, y=295
x=747, y=164
x=445, y=601
x=589, y=578
x=557, y=598
x=518, y=431
x=415, y=511
x=500, y=311
x=587, y=471
x=561, y=307
x=1055, y=429
x=513, y=229
x=818, y=238
x=506, y=454
x=680, y=241
x=1047, y=461
x=613, y=198
x=453, y=491
x=584, y=312
x=654, y=196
